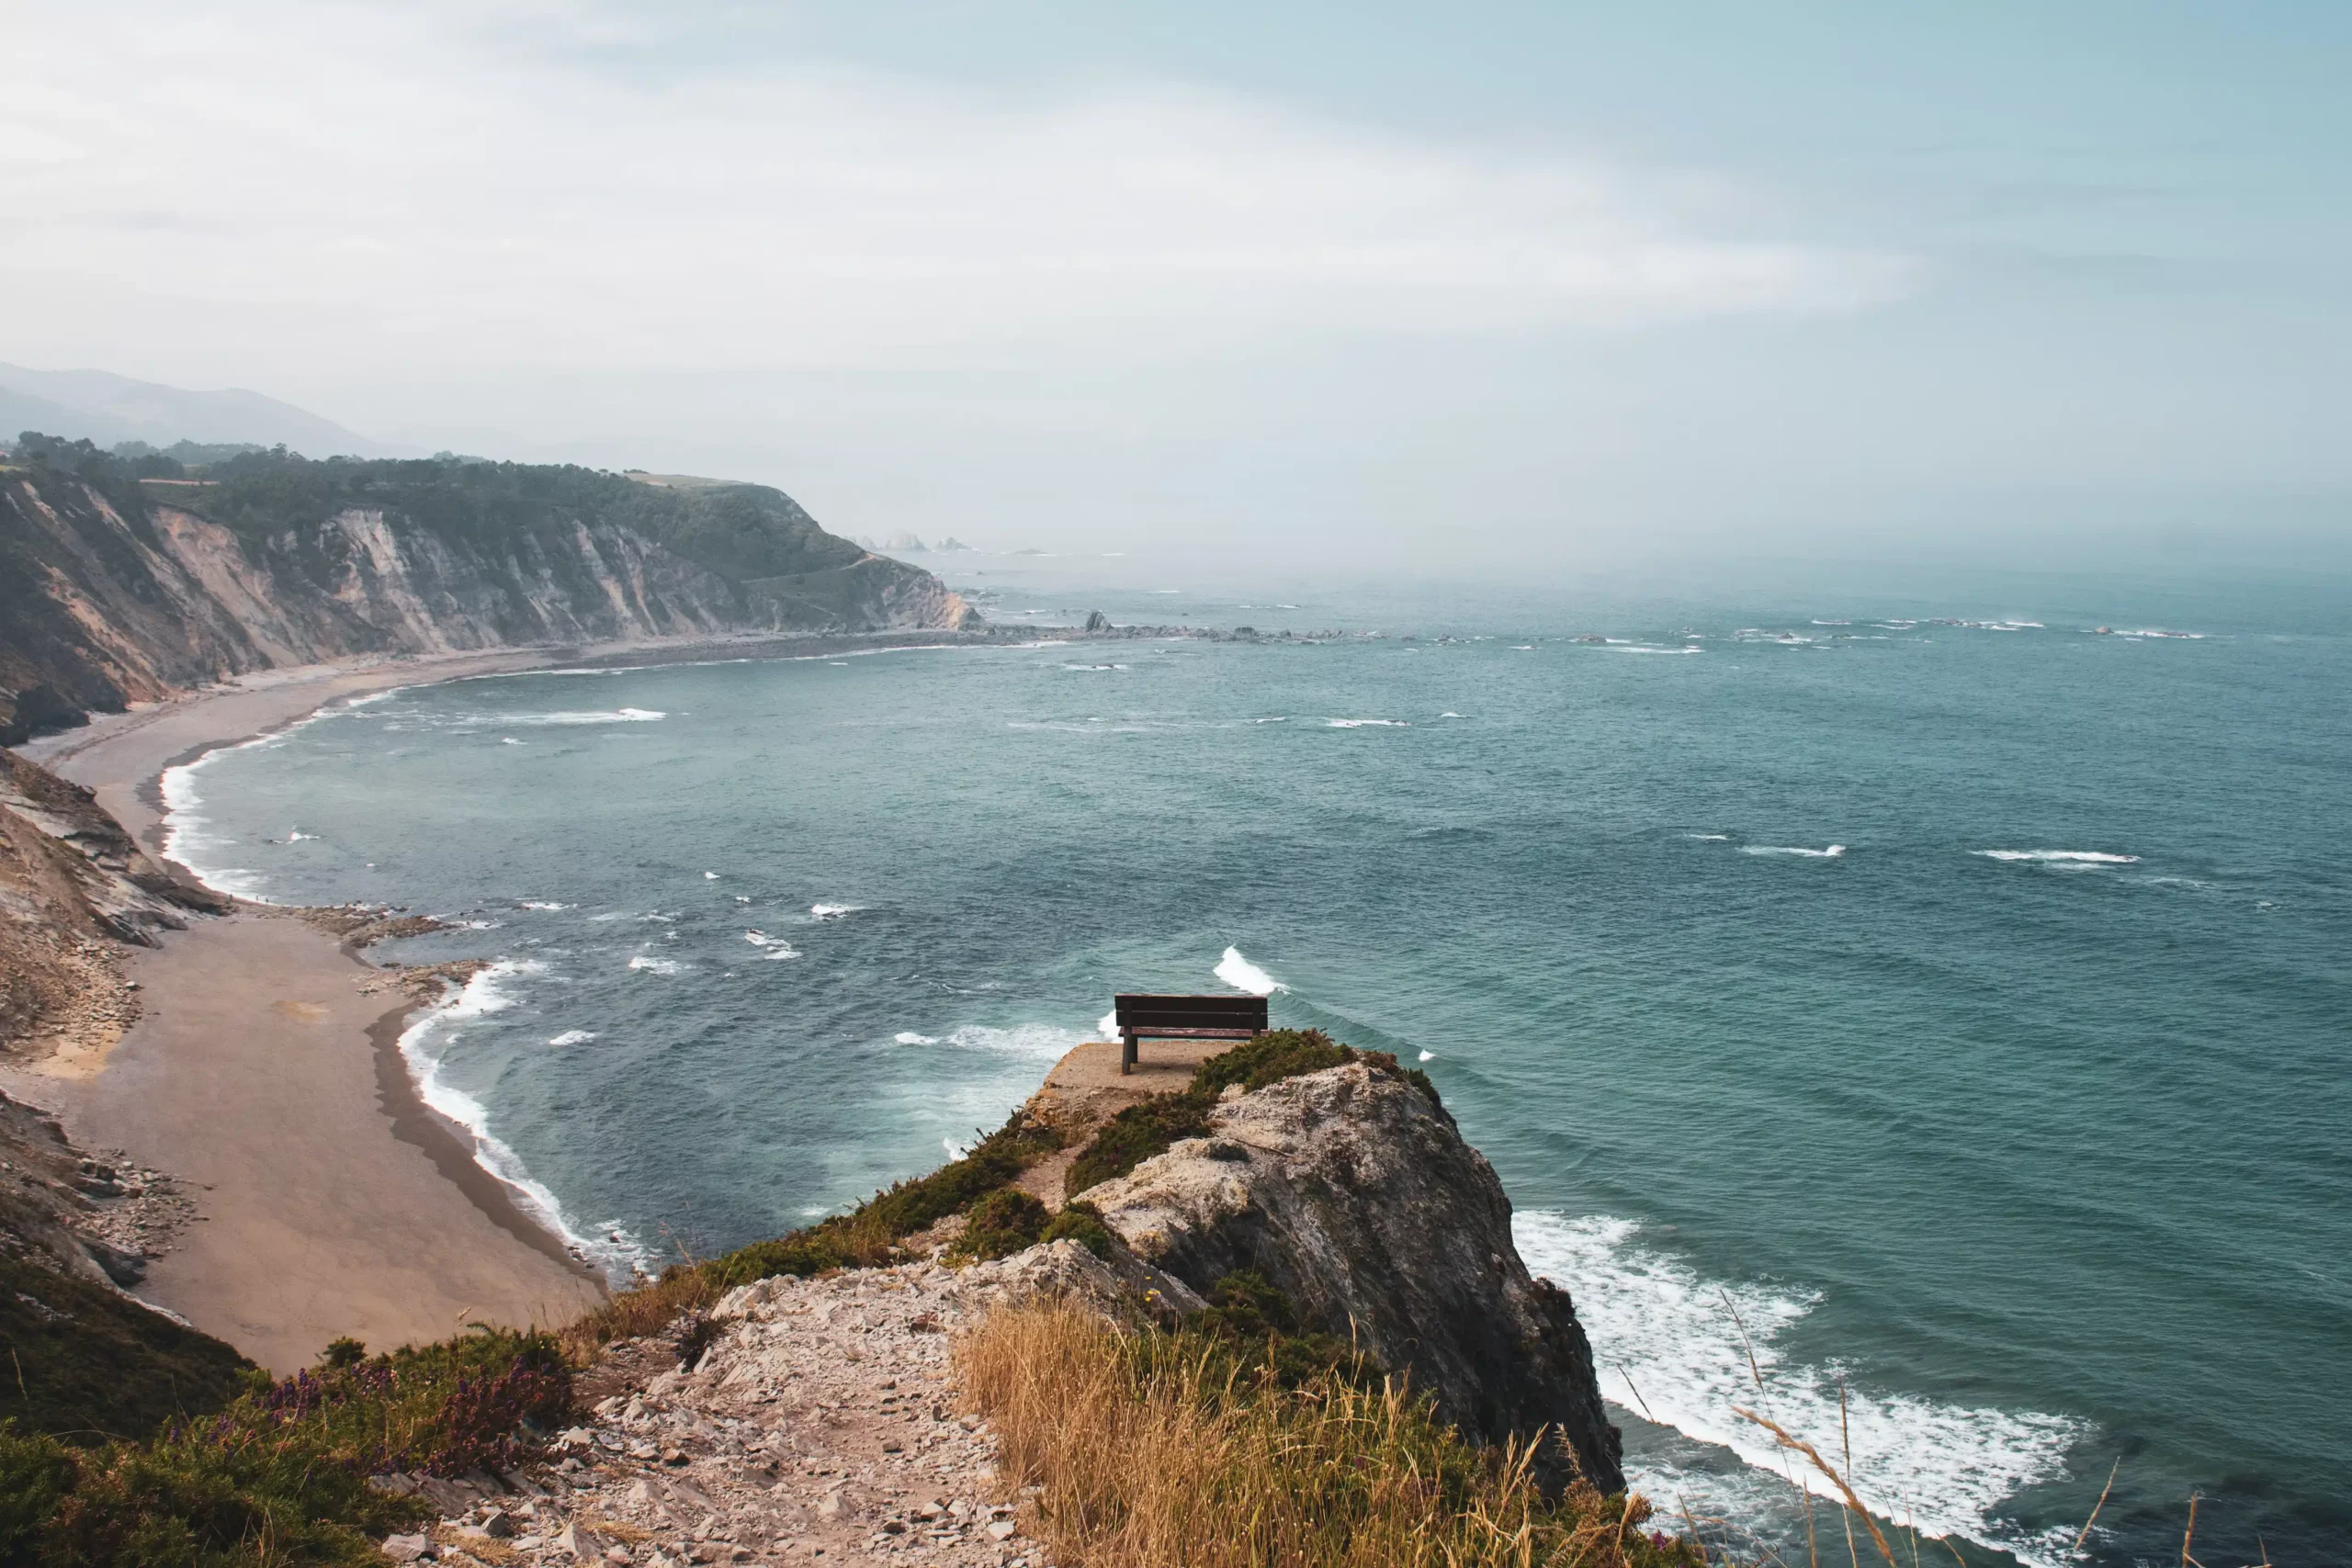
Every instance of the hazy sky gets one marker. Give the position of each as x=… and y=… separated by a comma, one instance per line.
x=1556, y=282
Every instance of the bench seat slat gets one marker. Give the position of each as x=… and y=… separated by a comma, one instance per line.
x=1149, y=1033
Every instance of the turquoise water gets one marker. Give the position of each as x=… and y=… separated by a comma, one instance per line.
x=1956, y=1014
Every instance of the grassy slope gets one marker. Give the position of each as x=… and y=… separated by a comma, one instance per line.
x=84, y=1363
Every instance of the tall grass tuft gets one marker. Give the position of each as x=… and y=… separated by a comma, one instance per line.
x=1162, y=1449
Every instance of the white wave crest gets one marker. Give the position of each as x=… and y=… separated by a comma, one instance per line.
x=544, y=903
x=189, y=837
x=1834, y=852
x=2060, y=857
x=654, y=965
x=1364, y=724
x=1107, y=1026
x=1676, y=1354
x=426, y=1043
x=574, y=1037
x=1243, y=975
x=909, y=1037
x=566, y=717
x=833, y=911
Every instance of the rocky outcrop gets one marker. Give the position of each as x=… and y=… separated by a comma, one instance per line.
x=72, y=884
x=1352, y=1192
x=117, y=589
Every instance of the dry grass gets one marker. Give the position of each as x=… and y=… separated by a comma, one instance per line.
x=1153, y=1451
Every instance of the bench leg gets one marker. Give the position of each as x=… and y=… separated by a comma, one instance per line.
x=1126, y=1053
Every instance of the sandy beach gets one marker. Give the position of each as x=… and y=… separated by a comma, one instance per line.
x=265, y=1068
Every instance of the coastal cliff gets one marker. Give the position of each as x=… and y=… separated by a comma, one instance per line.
x=1352, y=1193
x=121, y=585
x=73, y=884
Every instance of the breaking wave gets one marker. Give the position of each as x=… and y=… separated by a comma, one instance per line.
x=1678, y=1355
x=1834, y=852
x=424, y=1044
x=1243, y=975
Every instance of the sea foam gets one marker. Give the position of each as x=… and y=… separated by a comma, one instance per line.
x=1039, y=1041
x=425, y=1044
x=1834, y=852
x=1677, y=1353
x=2060, y=857
x=1243, y=975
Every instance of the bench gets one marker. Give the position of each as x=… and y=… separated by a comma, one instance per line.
x=1185, y=1018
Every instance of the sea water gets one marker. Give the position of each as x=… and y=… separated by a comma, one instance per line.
x=1920, y=1023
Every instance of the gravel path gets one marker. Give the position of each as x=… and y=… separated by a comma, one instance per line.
x=820, y=1426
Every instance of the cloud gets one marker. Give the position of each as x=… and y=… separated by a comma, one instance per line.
x=385, y=185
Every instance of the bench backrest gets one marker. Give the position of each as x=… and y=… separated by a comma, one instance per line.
x=1144, y=1014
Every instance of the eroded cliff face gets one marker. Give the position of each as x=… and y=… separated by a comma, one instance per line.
x=1353, y=1193
x=113, y=589
x=73, y=884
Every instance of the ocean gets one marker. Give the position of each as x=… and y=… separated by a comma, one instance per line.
x=1921, y=1018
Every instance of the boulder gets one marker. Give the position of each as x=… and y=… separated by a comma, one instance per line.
x=1352, y=1192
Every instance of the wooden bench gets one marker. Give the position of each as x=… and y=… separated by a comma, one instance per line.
x=1186, y=1018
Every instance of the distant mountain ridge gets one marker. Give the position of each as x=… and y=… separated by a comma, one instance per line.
x=102, y=407
x=117, y=588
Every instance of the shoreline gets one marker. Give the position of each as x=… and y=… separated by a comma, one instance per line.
x=335, y=1199
x=447, y=1145
x=302, y=1246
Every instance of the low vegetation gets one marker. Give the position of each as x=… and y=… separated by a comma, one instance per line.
x=865, y=1237
x=1162, y=1448
x=1005, y=1222
x=85, y=1364
x=1144, y=1130
x=195, y=1458
x=280, y=1475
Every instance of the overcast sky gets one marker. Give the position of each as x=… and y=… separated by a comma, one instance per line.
x=1418, y=283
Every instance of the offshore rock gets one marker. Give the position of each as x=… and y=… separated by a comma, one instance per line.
x=1352, y=1190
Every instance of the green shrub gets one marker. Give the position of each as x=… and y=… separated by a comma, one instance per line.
x=1276, y=1054
x=1081, y=1222
x=1001, y=1225
x=864, y=1237
x=1136, y=1134
x=1250, y=1319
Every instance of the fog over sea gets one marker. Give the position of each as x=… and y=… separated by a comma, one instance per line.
x=1943, y=998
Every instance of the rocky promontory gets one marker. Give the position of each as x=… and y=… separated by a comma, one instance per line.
x=1352, y=1192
